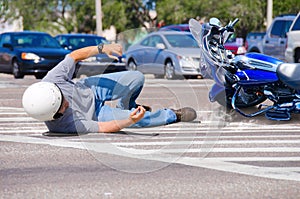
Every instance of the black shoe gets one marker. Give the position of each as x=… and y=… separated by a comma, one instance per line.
x=185, y=114
x=147, y=108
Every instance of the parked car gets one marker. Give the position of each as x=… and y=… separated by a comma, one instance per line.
x=178, y=27
x=274, y=41
x=94, y=65
x=29, y=53
x=230, y=45
x=253, y=38
x=165, y=53
x=292, y=52
x=235, y=47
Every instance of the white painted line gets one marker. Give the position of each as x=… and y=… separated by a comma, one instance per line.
x=147, y=138
x=266, y=172
x=222, y=150
x=176, y=142
x=16, y=119
x=256, y=159
x=12, y=113
x=176, y=86
x=11, y=108
x=209, y=130
x=39, y=130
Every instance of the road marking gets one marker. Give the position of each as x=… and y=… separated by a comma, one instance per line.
x=223, y=142
x=282, y=141
x=213, y=163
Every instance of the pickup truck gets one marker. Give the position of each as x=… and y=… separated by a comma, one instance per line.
x=292, y=52
x=273, y=42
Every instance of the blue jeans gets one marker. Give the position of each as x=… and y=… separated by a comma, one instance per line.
x=124, y=87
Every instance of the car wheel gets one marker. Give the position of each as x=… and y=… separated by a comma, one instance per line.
x=16, y=70
x=40, y=75
x=132, y=66
x=169, y=70
x=297, y=56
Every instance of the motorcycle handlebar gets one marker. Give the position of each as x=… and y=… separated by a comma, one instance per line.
x=234, y=22
x=230, y=26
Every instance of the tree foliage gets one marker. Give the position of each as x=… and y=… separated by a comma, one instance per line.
x=56, y=16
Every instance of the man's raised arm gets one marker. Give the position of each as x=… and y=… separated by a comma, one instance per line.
x=109, y=49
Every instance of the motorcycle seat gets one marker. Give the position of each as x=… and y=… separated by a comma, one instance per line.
x=289, y=73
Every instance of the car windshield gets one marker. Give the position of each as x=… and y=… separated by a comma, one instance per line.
x=80, y=42
x=35, y=40
x=181, y=41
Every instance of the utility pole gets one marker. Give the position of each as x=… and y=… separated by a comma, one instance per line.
x=269, y=12
x=98, y=17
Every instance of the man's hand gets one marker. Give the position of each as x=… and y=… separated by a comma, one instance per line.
x=137, y=114
x=116, y=125
x=111, y=49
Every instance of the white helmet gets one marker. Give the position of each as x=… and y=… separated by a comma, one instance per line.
x=42, y=100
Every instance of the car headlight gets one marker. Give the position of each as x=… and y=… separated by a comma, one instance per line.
x=184, y=58
x=30, y=56
x=187, y=61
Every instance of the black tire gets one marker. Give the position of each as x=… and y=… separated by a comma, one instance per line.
x=40, y=75
x=297, y=56
x=16, y=70
x=169, y=70
x=132, y=66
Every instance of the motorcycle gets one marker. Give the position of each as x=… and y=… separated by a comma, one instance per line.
x=248, y=80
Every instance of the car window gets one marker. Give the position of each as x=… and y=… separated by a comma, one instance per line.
x=280, y=28
x=155, y=40
x=34, y=40
x=181, y=41
x=286, y=28
x=276, y=31
x=62, y=40
x=296, y=25
x=145, y=42
x=152, y=41
x=80, y=42
x=5, y=39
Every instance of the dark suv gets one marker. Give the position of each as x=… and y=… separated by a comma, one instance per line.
x=29, y=53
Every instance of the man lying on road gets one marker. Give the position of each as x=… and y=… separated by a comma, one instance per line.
x=79, y=107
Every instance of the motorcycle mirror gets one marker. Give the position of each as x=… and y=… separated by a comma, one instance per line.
x=215, y=22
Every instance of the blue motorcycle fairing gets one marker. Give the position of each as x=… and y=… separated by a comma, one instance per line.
x=250, y=77
x=215, y=90
x=265, y=58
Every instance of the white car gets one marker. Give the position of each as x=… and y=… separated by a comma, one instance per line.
x=169, y=54
x=292, y=52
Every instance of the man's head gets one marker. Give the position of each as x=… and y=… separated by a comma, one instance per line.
x=42, y=101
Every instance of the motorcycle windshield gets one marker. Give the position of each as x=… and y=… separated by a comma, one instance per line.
x=209, y=69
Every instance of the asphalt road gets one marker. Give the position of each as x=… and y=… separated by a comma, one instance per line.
x=223, y=156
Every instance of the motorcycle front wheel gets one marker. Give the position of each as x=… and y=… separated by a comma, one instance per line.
x=244, y=98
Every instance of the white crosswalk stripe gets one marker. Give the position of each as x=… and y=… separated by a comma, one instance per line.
x=245, y=148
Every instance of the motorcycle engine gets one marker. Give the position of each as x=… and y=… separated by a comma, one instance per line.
x=279, y=93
